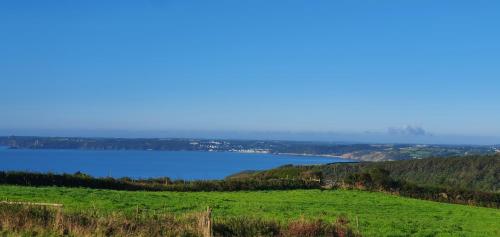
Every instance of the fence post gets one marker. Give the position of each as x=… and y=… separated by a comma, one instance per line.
x=207, y=223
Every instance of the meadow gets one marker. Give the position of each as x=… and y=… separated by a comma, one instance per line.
x=372, y=213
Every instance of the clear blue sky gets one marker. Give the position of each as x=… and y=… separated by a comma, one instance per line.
x=311, y=66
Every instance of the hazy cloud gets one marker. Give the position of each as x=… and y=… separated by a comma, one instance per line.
x=408, y=130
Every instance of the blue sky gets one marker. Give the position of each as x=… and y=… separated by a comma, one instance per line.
x=350, y=67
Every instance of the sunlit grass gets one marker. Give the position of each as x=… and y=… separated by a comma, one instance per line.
x=378, y=214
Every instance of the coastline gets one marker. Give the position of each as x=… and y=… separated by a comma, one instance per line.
x=210, y=150
x=315, y=155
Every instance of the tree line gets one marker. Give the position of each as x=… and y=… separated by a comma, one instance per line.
x=378, y=179
x=479, y=173
x=157, y=184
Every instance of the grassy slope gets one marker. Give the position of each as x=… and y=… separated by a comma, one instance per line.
x=379, y=214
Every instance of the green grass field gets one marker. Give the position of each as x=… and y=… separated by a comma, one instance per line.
x=378, y=214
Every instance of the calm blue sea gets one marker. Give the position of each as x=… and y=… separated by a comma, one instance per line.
x=145, y=164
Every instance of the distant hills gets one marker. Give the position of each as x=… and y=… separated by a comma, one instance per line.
x=360, y=152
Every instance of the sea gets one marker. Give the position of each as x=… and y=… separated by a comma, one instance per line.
x=187, y=165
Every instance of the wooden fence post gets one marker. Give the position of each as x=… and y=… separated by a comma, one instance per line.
x=207, y=223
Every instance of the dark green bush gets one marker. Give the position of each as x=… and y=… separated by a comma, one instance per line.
x=159, y=184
